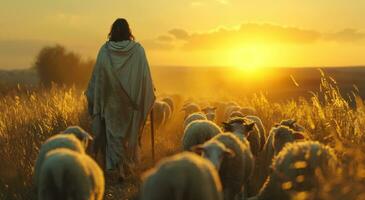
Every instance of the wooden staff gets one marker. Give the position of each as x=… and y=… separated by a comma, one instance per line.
x=152, y=136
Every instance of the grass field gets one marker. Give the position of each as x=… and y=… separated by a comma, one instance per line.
x=27, y=118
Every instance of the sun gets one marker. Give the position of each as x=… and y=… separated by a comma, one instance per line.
x=251, y=59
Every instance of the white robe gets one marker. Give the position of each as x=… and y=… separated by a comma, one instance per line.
x=122, y=93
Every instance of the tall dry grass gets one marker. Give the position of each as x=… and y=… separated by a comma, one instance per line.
x=26, y=120
x=29, y=118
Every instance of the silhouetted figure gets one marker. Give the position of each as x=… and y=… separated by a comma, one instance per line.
x=120, y=96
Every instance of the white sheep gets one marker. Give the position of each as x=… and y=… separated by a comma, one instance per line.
x=194, y=117
x=248, y=110
x=198, y=132
x=233, y=159
x=68, y=141
x=244, y=129
x=297, y=168
x=169, y=101
x=236, y=114
x=185, y=176
x=278, y=138
x=229, y=110
x=260, y=128
x=66, y=174
x=190, y=108
x=292, y=123
x=210, y=112
x=80, y=133
x=161, y=113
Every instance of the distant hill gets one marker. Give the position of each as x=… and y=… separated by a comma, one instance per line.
x=276, y=83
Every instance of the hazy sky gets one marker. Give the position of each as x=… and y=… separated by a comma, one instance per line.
x=192, y=32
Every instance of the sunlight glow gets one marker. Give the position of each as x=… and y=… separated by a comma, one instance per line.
x=251, y=60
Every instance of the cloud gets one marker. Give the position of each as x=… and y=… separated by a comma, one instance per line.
x=165, y=38
x=346, y=35
x=249, y=33
x=180, y=34
x=157, y=44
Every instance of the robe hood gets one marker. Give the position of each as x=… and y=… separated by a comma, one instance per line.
x=124, y=46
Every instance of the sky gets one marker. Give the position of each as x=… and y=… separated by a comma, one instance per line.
x=241, y=33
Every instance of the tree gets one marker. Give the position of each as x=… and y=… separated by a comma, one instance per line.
x=55, y=64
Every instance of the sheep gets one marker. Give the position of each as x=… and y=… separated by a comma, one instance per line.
x=232, y=158
x=229, y=110
x=236, y=114
x=170, y=102
x=292, y=123
x=248, y=110
x=161, y=112
x=297, y=168
x=68, y=141
x=190, y=108
x=185, y=176
x=260, y=128
x=244, y=128
x=67, y=174
x=198, y=132
x=278, y=138
x=194, y=117
x=80, y=133
x=210, y=112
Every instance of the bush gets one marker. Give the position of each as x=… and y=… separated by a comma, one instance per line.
x=55, y=64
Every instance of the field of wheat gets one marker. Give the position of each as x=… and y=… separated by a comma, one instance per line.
x=27, y=118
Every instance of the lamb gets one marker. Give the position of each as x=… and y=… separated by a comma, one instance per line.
x=198, y=132
x=80, y=133
x=210, y=112
x=190, y=108
x=68, y=141
x=297, y=168
x=184, y=176
x=233, y=159
x=244, y=128
x=194, y=117
x=66, y=174
x=278, y=138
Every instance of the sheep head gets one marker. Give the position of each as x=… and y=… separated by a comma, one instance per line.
x=214, y=151
x=284, y=135
x=239, y=125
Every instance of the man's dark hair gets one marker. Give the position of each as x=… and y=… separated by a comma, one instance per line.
x=120, y=31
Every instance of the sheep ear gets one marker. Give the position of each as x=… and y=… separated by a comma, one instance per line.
x=229, y=153
x=298, y=136
x=250, y=126
x=198, y=149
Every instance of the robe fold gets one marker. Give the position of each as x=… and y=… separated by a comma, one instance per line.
x=121, y=93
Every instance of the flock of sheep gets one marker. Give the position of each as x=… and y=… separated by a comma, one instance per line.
x=235, y=160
